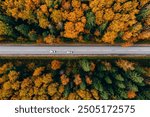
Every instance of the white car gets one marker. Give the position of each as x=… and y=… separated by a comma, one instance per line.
x=69, y=52
x=52, y=51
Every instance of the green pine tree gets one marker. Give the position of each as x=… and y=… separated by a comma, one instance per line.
x=7, y=19
x=104, y=95
x=90, y=20
x=135, y=77
x=23, y=29
x=140, y=70
x=85, y=65
x=67, y=90
x=133, y=87
x=103, y=27
x=108, y=80
x=121, y=93
x=83, y=85
x=98, y=85
x=120, y=84
x=119, y=77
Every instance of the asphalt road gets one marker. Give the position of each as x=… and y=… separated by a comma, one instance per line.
x=72, y=50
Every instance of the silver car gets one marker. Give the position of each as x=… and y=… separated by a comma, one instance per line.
x=69, y=52
x=52, y=51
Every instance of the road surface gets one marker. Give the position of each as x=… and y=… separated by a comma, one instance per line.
x=72, y=50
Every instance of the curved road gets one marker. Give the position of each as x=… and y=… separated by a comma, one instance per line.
x=72, y=50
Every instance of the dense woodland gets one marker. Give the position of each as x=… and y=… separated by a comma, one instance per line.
x=74, y=79
x=75, y=21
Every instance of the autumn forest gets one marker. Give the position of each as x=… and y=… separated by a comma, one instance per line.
x=75, y=21
x=74, y=79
